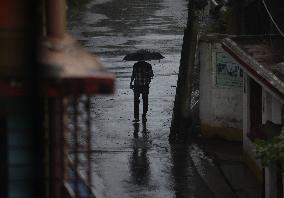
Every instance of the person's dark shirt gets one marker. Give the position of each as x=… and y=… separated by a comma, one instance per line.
x=142, y=73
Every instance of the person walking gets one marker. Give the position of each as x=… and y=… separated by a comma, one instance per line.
x=142, y=74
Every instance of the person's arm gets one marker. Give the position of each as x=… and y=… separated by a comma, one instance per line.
x=132, y=78
x=151, y=72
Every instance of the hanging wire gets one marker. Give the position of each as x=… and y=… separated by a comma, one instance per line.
x=272, y=19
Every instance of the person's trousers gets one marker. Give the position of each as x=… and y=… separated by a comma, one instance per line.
x=144, y=90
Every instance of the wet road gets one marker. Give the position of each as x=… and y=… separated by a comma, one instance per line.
x=136, y=160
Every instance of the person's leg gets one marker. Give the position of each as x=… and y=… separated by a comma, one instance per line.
x=136, y=104
x=145, y=101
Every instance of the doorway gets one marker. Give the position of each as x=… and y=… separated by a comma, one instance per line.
x=255, y=108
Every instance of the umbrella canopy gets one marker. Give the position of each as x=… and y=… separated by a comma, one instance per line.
x=143, y=55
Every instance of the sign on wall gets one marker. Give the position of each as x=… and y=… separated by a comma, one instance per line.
x=228, y=71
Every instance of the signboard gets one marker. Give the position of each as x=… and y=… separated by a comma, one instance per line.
x=228, y=71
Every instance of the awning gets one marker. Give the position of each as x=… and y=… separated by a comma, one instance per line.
x=65, y=69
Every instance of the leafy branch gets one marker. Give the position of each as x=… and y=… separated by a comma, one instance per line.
x=272, y=150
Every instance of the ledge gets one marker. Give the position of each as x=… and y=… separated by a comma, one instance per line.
x=65, y=69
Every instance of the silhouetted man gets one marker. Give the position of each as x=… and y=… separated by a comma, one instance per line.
x=141, y=75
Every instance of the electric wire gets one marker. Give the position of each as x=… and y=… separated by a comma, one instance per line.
x=271, y=18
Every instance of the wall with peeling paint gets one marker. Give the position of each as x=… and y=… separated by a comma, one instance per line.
x=220, y=93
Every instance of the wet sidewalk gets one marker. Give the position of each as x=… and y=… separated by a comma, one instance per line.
x=227, y=162
x=150, y=167
x=136, y=160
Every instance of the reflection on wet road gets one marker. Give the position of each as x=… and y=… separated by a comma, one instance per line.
x=136, y=160
x=139, y=161
x=185, y=174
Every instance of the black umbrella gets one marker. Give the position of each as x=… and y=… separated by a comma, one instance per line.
x=143, y=55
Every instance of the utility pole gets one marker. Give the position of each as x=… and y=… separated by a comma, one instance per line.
x=181, y=118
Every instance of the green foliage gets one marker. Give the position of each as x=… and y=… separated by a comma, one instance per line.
x=272, y=150
x=224, y=22
x=75, y=3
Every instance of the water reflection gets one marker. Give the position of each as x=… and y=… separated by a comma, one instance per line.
x=179, y=169
x=186, y=180
x=139, y=161
x=136, y=129
x=144, y=130
x=129, y=16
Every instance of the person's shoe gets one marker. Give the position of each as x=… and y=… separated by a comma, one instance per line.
x=144, y=119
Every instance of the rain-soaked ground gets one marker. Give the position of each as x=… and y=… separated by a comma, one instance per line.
x=136, y=160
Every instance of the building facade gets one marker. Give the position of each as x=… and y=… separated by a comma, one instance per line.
x=261, y=59
x=220, y=91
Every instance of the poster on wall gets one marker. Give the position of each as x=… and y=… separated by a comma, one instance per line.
x=228, y=71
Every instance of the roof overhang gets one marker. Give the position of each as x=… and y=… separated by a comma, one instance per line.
x=64, y=69
x=68, y=69
x=258, y=56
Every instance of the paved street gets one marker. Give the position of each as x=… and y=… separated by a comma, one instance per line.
x=136, y=160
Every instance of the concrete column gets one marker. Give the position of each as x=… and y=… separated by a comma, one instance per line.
x=246, y=109
x=270, y=182
x=205, y=99
x=276, y=111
